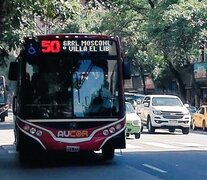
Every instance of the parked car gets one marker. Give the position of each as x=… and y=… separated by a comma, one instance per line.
x=164, y=111
x=199, y=119
x=133, y=121
x=192, y=110
x=134, y=98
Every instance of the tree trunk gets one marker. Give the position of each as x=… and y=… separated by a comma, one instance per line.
x=181, y=86
x=3, y=14
x=143, y=78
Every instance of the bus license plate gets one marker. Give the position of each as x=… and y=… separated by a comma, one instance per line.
x=72, y=149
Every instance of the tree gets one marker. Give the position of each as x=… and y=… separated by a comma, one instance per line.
x=176, y=29
x=28, y=17
x=127, y=21
x=157, y=36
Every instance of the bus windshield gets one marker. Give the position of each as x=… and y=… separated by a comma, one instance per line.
x=65, y=86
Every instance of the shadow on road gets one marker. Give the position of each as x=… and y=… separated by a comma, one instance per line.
x=52, y=160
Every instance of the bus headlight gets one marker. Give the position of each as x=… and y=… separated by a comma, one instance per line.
x=105, y=132
x=26, y=127
x=39, y=133
x=32, y=131
x=112, y=130
x=118, y=126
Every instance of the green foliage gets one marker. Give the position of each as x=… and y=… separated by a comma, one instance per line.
x=30, y=17
x=153, y=33
x=126, y=20
x=178, y=29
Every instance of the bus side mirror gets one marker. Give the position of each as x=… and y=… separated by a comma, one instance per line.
x=13, y=71
x=126, y=70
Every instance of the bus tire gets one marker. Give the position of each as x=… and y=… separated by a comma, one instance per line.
x=21, y=147
x=107, y=154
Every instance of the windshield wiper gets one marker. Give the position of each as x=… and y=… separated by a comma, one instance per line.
x=83, y=76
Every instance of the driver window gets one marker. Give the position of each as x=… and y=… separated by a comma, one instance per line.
x=201, y=110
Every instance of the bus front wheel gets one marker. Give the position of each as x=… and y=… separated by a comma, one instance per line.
x=107, y=153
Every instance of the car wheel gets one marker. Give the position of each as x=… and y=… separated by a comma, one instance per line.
x=142, y=127
x=204, y=125
x=150, y=128
x=191, y=124
x=194, y=126
x=137, y=135
x=185, y=130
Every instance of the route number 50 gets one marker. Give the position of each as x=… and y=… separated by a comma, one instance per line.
x=50, y=46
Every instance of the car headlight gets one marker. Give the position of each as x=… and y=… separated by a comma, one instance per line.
x=157, y=112
x=186, y=113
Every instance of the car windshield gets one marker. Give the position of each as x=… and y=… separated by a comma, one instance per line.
x=166, y=101
x=134, y=97
x=129, y=108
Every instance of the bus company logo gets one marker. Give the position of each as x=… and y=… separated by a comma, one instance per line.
x=73, y=134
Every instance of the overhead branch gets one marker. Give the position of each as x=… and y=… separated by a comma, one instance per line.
x=152, y=3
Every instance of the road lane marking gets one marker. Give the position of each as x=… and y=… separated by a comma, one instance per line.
x=118, y=154
x=154, y=168
x=162, y=145
x=193, y=145
x=12, y=151
x=130, y=146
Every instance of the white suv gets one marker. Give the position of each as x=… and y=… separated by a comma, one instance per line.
x=164, y=111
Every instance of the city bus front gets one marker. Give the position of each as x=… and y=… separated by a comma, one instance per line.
x=70, y=95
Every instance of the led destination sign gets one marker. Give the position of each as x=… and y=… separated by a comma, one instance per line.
x=86, y=46
x=57, y=46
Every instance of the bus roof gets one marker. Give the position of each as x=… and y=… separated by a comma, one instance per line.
x=71, y=36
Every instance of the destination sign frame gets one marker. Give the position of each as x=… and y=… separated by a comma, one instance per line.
x=77, y=46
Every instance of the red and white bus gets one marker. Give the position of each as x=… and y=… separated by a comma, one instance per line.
x=4, y=106
x=69, y=94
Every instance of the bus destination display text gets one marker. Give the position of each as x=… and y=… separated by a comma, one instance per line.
x=86, y=46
